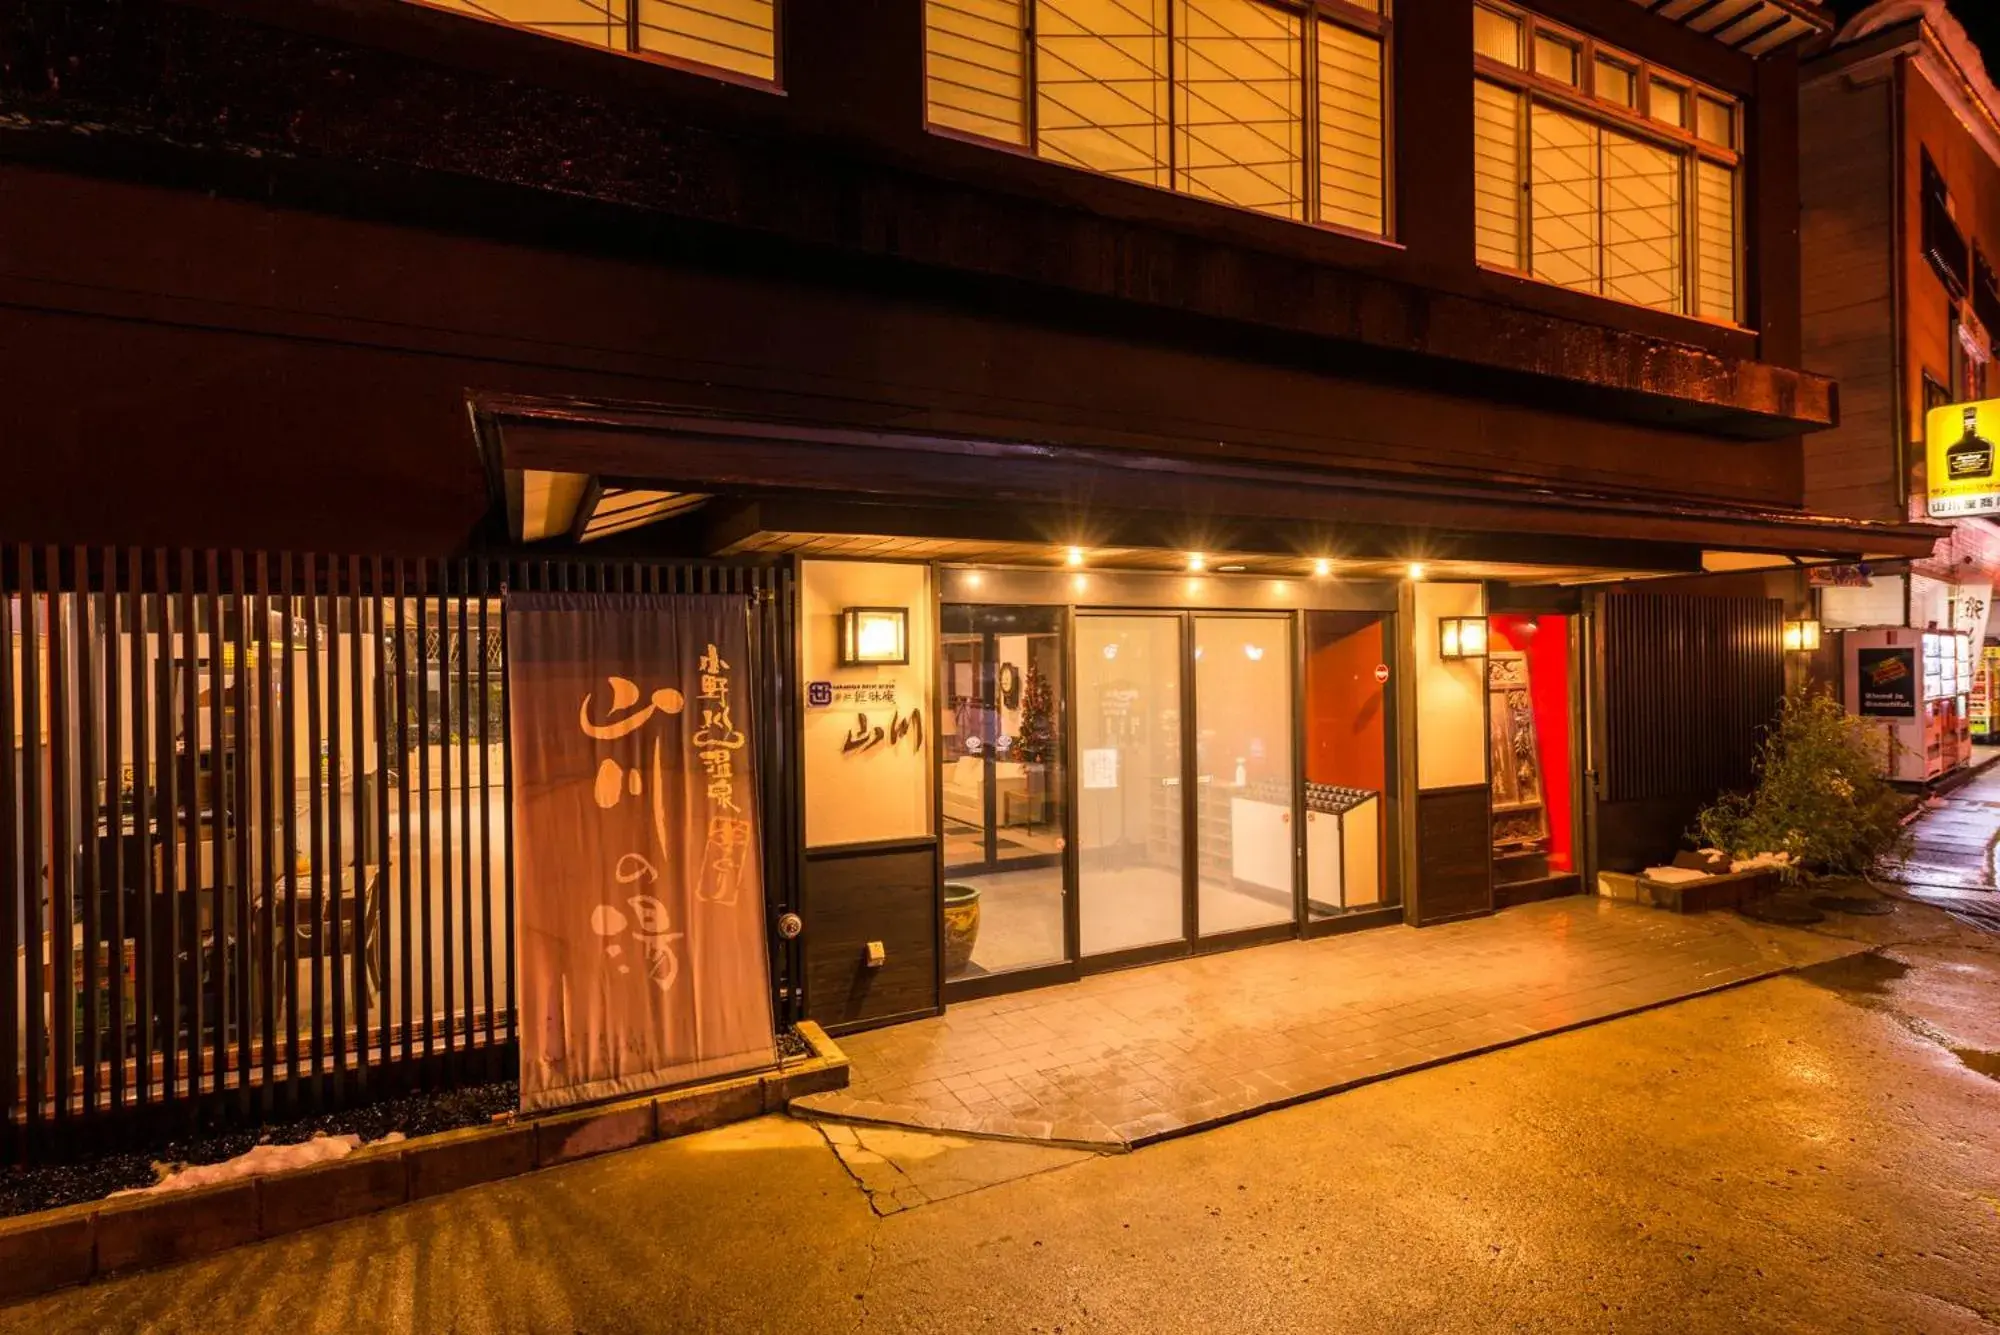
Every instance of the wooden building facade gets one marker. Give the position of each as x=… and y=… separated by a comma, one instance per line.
x=1405, y=355
x=1900, y=155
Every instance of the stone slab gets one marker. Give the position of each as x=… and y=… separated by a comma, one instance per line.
x=50, y=1250
x=458, y=1159
x=152, y=1230
x=361, y=1183
x=580, y=1135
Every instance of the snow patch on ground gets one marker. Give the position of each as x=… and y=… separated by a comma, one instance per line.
x=1674, y=875
x=256, y=1162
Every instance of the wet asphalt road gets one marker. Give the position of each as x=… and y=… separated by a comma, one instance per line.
x=1812, y=1153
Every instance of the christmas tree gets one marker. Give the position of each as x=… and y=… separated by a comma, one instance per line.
x=1037, y=742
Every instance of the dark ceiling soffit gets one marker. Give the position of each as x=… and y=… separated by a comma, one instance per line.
x=1757, y=30
x=723, y=526
x=1071, y=485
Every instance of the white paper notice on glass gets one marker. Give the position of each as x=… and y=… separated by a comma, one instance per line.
x=1100, y=767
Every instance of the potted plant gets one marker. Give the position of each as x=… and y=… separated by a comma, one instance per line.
x=1820, y=806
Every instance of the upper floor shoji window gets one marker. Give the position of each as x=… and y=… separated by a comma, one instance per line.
x=1278, y=107
x=1603, y=172
x=731, y=36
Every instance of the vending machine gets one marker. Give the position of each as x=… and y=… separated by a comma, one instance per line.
x=1915, y=687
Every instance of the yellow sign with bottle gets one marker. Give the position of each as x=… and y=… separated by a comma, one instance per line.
x=1962, y=459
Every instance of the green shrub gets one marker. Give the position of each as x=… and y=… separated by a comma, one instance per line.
x=1820, y=796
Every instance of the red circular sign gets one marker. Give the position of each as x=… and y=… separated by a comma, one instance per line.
x=1381, y=673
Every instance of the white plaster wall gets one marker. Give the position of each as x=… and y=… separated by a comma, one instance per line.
x=885, y=791
x=1451, y=701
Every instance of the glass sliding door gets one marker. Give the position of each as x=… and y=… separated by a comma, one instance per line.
x=1002, y=788
x=1131, y=891
x=1350, y=733
x=1245, y=777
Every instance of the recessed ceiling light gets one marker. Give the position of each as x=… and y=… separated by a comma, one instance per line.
x=1074, y=556
x=1322, y=567
x=1416, y=570
x=1196, y=561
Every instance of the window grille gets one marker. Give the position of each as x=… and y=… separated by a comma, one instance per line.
x=1499, y=174
x=1239, y=105
x=1592, y=172
x=737, y=36
x=1101, y=85
x=1944, y=245
x=1262, y=105
x=1352, y=180
x=977, y=64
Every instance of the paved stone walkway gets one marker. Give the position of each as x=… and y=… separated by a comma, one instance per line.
x=1127, y=1058
x=1952, y=852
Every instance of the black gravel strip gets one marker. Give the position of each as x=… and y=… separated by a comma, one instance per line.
x=44, y=1186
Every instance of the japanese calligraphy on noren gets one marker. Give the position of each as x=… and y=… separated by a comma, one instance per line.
x=638, y=874
x=717, y=743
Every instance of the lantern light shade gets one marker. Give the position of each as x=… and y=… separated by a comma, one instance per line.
x=1461, y=637
x=872, y=636
x=1802, y=636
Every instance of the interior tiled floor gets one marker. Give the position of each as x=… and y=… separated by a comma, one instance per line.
x=1128, y=1057
x=1021, y=913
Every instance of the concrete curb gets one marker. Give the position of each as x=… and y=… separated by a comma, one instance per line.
x=54, y=1249
x=863, y=1114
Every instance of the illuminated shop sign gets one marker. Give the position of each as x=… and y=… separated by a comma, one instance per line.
x=1959, y=455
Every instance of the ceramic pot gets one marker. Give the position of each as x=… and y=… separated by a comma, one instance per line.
x=961, y=926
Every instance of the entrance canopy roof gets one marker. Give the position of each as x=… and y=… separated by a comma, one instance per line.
x=728, y=486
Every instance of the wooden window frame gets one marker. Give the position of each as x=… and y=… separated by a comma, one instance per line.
x=1937, y=225
x=1581, y=100
x=1378, y=25
x=632, y=51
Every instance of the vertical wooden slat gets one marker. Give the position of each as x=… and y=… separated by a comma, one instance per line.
x=485, y=803
x=316, y=826
x=187, y=680
x=406, y=935
x=383, y=863
x=146, y=979
x=507, y=819
x=89, y=882
x=326, y=923
x=115, y=817
x=166, y=910
x=427, y=951
x=242, y=827
x=62, y=844
x=271, y=866
x=221, y=891
x=14, y=882
x=357, y=733
x=289, y=854
x=447, y=957
x=465, y=733
x=33, y=844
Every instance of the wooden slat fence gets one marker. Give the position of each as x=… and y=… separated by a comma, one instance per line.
x=254, y=829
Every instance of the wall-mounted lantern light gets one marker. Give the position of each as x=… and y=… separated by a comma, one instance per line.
x=1461, y=637
x=872, y=636
x=1801, y=636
